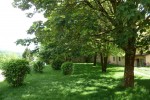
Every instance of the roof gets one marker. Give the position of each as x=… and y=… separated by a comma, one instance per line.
x=144, y=54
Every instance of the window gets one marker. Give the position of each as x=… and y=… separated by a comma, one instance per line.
x=119, y=58
x=113, y=58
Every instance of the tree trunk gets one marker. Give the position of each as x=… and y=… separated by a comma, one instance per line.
x=103, y=62
x=129, y=65
x=95, y=57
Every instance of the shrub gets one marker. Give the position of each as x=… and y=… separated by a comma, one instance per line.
x=15, y=71
x=56, y=63
x=67, y=68
x=38, y=66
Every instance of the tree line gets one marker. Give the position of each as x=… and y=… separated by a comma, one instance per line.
x=87, y=27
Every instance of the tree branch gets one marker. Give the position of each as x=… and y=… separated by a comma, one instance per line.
x=103, y=10
x=89, y=4
x=140, y=25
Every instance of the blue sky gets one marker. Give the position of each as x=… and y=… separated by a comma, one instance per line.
x=13, y=26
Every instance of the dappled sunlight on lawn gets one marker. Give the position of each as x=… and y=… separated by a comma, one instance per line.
x=87, y=83
x=143, y=72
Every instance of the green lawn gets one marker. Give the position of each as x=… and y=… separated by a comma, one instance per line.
x=86, y=83
x=145, y=70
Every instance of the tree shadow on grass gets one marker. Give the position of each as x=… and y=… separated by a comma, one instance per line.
x=144, y=83
x=87, y=83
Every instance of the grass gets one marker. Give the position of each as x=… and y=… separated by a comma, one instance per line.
x=145, y=70
x=86, y=83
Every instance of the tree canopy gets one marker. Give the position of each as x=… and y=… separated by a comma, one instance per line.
x=74, y=22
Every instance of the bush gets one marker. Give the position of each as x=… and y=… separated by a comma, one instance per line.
x=67, y=68
x=38, y=66
x=56, y=64
x=15, y=71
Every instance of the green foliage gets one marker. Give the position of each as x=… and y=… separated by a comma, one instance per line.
x=27, y=54
x=49, y=52
x=67, y=68
x=6, y=56
x=76, y=25
x=38, y=66
x=148, y=52
x=56, y=64
x=15, y=71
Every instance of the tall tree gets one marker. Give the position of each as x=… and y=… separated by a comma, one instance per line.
x=127, y=17
x=27, y=54
x=126, y=20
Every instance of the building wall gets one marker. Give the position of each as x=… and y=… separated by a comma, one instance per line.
x=117, y=60
x=112, y=60
x=98, y=59
x=147, y=60
x=144, y=59
x=121, y=61
x=83, y=60
x=139, y=60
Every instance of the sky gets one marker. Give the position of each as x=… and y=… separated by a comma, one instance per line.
x=13, y=26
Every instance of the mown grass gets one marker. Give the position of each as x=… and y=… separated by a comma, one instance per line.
x=145, y=70
x=86, y=83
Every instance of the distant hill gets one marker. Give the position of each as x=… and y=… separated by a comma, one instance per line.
x=6, y=52
x=7, y=55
